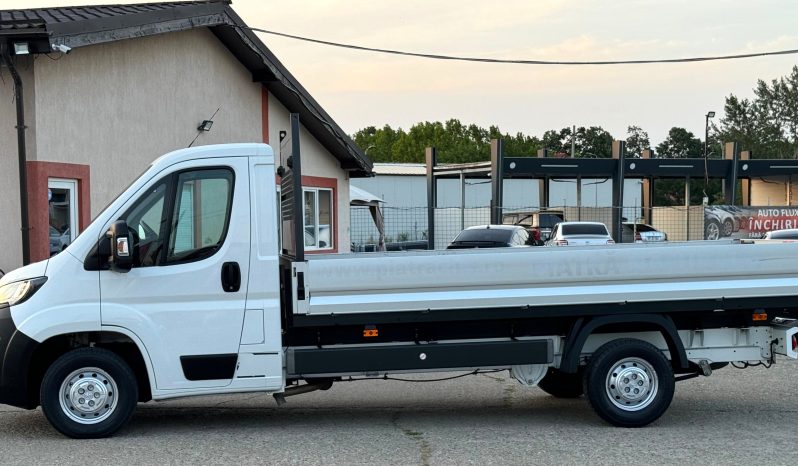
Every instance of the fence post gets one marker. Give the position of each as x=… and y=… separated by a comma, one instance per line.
x=496, y=179
x=731, y=152
x=746, y=182
x=687, y=208
x=462, y=200
x=543, y=187
x=618, y=153
x=431, y=155
x=648, y=192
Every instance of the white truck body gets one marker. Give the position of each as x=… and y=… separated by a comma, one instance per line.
x=193, y=335
x=539, y=277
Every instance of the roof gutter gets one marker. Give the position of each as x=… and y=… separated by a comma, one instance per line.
x=5, y=56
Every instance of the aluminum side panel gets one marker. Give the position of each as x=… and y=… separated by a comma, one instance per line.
x=549, y=276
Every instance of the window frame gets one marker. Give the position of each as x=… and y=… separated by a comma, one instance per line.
x=174, y=218
x=315, y=190
x=170, y=203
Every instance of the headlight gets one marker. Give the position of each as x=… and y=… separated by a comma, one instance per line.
x=18, y=292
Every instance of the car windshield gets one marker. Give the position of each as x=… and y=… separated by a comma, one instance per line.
x=485, y=235
x=584, y=229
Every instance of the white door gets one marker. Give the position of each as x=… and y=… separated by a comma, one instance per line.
x=63, y=213
x=185, y=296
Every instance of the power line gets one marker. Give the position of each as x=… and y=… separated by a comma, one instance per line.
x=524, y=62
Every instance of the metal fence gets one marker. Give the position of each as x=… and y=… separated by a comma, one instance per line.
x=406, y=228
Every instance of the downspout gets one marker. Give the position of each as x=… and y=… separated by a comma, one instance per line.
x=23, y=171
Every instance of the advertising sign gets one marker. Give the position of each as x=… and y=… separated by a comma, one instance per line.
x=723, y=221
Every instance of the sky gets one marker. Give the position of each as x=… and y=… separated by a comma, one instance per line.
x=360, y=89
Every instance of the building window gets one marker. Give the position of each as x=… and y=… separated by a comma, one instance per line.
x=62, y=195
x=318, y=218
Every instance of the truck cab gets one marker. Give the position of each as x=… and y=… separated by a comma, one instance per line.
x=193, y=298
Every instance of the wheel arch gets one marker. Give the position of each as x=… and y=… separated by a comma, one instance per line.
x=582, y=329
x=126, y=346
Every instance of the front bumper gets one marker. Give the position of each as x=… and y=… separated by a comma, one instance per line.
x=16, y=352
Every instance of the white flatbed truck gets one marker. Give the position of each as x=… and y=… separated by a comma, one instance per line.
x=178, y=288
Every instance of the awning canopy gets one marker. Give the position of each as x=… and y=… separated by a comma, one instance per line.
x=359, y=196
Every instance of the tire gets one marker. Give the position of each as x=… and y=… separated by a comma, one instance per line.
x=712, y=230
x=728, y=227
x=561, y=385
x=619, y=367
x=89, y=393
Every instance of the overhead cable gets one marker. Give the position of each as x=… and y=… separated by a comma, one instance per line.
x=525, y=62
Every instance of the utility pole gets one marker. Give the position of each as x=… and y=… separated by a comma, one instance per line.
x=573, y=141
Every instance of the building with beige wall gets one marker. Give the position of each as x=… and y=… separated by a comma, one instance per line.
x=136, y=83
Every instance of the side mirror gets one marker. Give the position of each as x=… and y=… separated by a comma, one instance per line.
x=121, y=247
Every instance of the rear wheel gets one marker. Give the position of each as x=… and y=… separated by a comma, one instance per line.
x=629, y=383
x=562, y=385
x=89, y=393
x=728, y=227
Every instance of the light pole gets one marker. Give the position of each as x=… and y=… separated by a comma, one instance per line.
x=706, y=132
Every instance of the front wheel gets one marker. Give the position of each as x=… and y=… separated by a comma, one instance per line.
x=629, y=383
x=89, y=393
x=712, y=230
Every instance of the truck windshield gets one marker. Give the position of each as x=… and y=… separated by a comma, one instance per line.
x=584, y=229
x=487, y=235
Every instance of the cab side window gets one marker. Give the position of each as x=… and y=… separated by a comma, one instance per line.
x=201, y=214
x=182, y=218
x=146, y=220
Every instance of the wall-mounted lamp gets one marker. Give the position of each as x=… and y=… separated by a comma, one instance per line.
x=205, y=125
x=21, y=48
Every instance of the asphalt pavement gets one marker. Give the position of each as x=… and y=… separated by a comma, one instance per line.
x=733, y=417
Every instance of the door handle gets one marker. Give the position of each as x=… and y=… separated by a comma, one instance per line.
x=231, y=277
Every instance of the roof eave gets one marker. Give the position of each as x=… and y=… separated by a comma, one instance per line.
x=101, y=30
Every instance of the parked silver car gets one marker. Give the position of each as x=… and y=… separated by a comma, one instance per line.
x=642, y=233
x=788, y=235
x=579, y=234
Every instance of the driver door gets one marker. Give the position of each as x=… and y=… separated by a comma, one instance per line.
x=185, y=296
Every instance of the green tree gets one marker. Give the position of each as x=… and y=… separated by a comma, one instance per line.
x=636, y=141
x=680, y=144
x=593, y=141
x=455, y=141
x=767, y=125
x=557, y=141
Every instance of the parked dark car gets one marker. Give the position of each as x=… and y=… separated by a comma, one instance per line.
x=728, y=221
x=538, y=223
x=642, y=233
x=491, y=236
x=713, y=225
